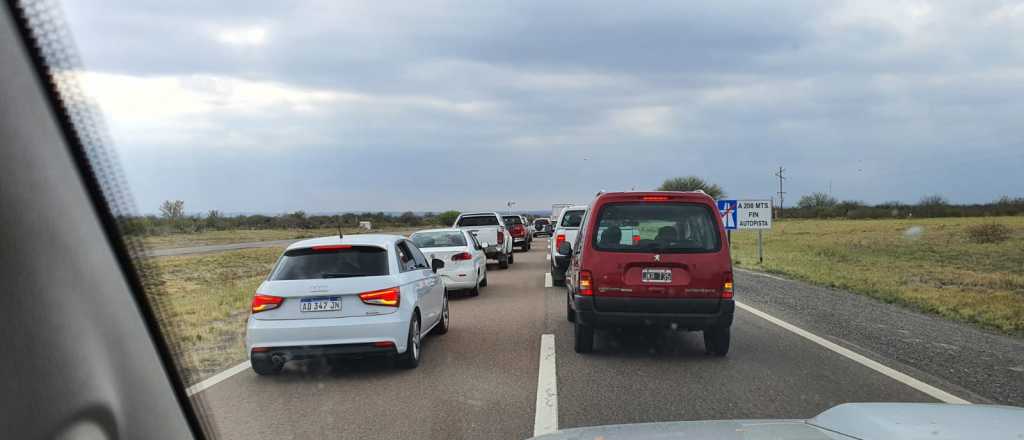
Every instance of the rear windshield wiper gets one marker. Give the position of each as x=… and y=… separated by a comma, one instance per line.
x=340, y=275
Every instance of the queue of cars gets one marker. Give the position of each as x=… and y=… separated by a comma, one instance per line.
x=626, y=259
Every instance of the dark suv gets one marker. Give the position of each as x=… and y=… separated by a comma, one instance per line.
x=651, y=258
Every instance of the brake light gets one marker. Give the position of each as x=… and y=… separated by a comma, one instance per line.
x=654, y=198
x=518, y=230
x=385, y=297
x=558, y=241
x=262, y=303
x=331, y=247
x=501, y=235
x=462, y=256
x=636, y=239
x=727, y=286
x=586, y=287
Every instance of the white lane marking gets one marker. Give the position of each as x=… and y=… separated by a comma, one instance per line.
x=547, y=257
x=860, y=359
x=547, y=280
x=546, y=418
x=217, y=378
x=761, y=274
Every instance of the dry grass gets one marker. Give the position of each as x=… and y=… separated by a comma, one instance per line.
x=205, y=298
x=248, y=235
x=932, y=265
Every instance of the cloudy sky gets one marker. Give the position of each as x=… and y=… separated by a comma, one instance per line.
x=432, y=105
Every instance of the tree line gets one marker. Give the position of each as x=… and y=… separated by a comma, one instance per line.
x=173, y=219
x=823, y=205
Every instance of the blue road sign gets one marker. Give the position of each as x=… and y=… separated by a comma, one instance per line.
x=727, y=209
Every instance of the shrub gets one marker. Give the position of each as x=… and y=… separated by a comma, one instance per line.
x=988, y=233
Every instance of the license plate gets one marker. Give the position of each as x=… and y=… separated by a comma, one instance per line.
x=328, y=304
x=656, y=275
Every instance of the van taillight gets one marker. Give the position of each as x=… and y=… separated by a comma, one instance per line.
x=586, y=287
x=462, y=256
x=654, y=198
x=727, y=286
x=558, y=241
x=386, y=297
x=501, y=235
x=262, y=303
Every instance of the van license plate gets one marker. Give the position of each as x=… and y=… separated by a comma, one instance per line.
x=328, y=304
x=656, y=275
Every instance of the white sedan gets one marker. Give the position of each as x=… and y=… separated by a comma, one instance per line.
x=349, y=296
x=463, y=256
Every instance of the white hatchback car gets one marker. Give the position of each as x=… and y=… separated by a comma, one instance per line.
x=349, y=296
x=464, y=258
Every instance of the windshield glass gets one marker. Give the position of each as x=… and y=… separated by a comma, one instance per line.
x=480, y=220
x=572, y=219
x=357, y=261
x=796, y=204
x=438, y=239
x=656, y=227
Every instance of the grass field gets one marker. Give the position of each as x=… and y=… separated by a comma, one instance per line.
x=206, y=299
x=246, y=235
x=927, y=264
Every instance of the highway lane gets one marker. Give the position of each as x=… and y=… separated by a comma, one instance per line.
x=480, y=380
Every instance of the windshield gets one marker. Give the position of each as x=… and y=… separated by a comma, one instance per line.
x=656, y=227
x=572, y=219
x=789, y=205
x=357, y=261
x=438, y=239
x=481, y=220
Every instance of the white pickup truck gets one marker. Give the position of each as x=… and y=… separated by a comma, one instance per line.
x=567, y=225
x=490, y=230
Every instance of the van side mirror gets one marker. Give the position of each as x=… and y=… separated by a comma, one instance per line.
x=436, y=264
x=565, y=249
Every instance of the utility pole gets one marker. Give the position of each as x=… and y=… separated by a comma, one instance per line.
x=781, y=178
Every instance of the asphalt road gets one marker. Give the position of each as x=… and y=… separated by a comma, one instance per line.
x=481, y=379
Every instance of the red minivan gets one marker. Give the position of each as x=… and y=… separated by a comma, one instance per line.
x=651, y=258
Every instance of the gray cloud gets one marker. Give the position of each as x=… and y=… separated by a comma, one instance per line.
x=337, y=105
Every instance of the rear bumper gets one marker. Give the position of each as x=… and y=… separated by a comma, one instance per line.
x=317, y=351
x=722, y=317
x=493, y=252
x=455, y=282
x=274, y=333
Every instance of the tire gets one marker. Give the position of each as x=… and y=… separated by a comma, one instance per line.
x=526, y=248
x=584, y=341
x=411, y=358
x=484, y=282
x=475, y=291
x=716, y=341
x=503, y=261
x=265, y=367
x=511, y=258
x=442, y=327
x=570, y=315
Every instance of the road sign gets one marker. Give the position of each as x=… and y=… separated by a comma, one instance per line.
x=754, y=214
x=727, y=208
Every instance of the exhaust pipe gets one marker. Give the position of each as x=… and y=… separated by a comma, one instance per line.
x=278, y=360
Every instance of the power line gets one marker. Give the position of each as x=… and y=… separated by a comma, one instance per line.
x=781, y=192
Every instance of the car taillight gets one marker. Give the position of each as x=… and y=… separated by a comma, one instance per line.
x=654, y=198
x=636, y=239
x=332, y=247
x=385, y=297
x=262, y=303
x=501, y=235
x=727, y=286
x=586, y=287
x=518, y=230
x=462, y=256
x=558, y=241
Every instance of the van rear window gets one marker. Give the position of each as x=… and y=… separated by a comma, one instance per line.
x=572, y=219
x=479, y=220
x=656, y=227
x=308, y=263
